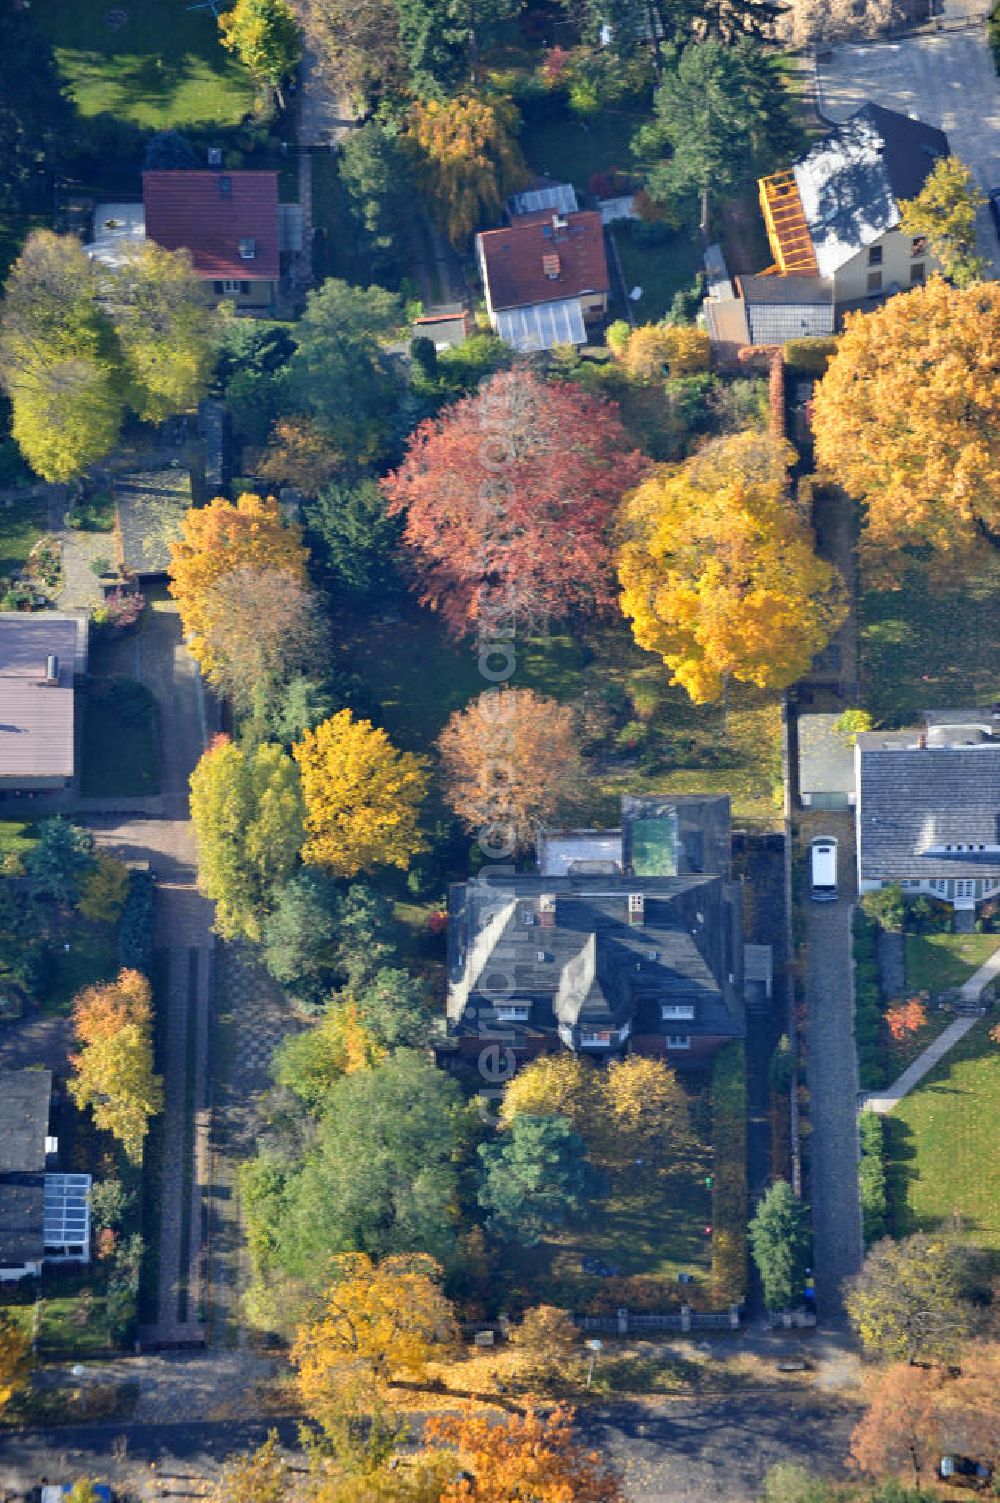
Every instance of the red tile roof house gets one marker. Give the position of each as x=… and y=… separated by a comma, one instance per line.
x=545, y=277
x=229, y=221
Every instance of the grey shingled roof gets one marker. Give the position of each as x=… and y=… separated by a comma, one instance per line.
x=36, y=718
x=24, y=1122
x=914, y=797
x=851, y=181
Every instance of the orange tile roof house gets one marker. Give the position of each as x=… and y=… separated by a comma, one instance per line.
x=545, y=276
x=230, y=223
x=39, y=656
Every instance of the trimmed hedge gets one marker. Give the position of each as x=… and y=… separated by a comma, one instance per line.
x=729, y=1191
x=867, y=1005
x=808, y=357
x=871, y=1174
x=135, y=936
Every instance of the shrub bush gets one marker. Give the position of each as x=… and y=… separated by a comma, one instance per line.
x=871, y=1174
x=729, y=1191
x=135, y=937
x=809, y=357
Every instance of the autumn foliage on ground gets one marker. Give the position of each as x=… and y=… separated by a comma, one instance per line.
x=113, y=1071
x=509, y=498
x=718, y=570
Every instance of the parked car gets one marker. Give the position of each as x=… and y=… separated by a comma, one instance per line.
x=962, y=1471
x=823, y=869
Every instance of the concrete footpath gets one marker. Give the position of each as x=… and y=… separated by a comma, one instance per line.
x=970, y=991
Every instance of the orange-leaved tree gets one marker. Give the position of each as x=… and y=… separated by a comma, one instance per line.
x=900, y=1430
x=525, y=1456
x=907, y=418
x=221, y=537
x=468, y=160
x=509, y=497
x=718, y=571
x=362, y=797
x=906, y=1017
x=113, y=1072
x=512, y=763
x=377, y=1321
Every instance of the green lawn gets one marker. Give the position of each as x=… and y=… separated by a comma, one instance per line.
x=163, y=68
x=943, y=1141
x=16, y=837
x=73, y=1315
x=22, y=522
x=660, y=270
x=655, y=1232
x=938, y=962
x=418, y=677
x=912, y=656
x=119, y=746
x=572, y=149
x=84, y=953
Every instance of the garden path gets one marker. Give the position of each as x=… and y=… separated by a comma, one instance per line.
x=184, y=932
x=969, y=991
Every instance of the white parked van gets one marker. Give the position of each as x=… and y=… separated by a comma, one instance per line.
x=823, y=869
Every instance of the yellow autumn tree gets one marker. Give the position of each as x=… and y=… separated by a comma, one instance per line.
x=562, y=1083
x=644, y=1114
x=362, y=797
x=907, y=418
x=103, y=890
x=718, y=571
x=548, y=1344
x=113, y=1072
x=216, y=540
x=944, y=211
x=469, y=161
x=377, y=1321
x=15, y=1359
x=653, y=350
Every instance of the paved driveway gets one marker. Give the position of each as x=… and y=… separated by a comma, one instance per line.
x=832, y=1075
x=947, y=79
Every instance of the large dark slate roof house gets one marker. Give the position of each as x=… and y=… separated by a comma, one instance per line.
x=928, y=801
x=624, y=940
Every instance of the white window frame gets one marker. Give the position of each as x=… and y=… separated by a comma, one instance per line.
x=597, y=1038
x=678, y=1041
x=513, y=1012
x=677, y=1012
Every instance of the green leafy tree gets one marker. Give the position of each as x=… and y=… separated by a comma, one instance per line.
x=434, y=40
x=908, y=1303
x=392, y=1008
x=852, y=723
x=36, y=117
x=365, y=934
x=357, y=538
x=246, y=808
x=339, y=372
x=59, y=359
x=167, y=331
x=266, y=38
x=377, y=178
x=719, y=113
x=382, y=1177
x=886, y=906
x=780, y=1241
x=61, y=859
x=535, y=1178
x=300, y=934
x=945, y=212
x=305, y=703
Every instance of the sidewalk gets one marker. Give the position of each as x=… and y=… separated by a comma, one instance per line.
x=924, y=1063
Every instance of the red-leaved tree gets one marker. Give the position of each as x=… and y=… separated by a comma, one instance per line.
x=906, y=1017
x=509, y=498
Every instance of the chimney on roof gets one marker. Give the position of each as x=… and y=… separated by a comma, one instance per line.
x=215, y=156
x=547, y=910
x=560, y=222
x=636, y=908
x=51, y=669
x=922, y=738
x=551, y=266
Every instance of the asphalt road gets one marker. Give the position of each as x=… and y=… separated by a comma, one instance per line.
x=681, y=1450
